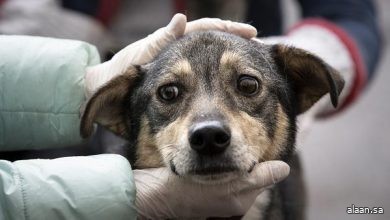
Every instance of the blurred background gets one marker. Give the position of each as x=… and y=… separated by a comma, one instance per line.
x=345, y=157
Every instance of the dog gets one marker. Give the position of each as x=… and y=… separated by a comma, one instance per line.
x=212, y=105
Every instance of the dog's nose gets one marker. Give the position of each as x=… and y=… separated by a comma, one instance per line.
x=209, y=138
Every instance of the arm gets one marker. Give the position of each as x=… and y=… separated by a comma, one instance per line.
x=345, y=34
x=41, y=91
x=358, y=18
x=354, y=22
x=94, y=187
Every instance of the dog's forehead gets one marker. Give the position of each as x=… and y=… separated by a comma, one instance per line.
x=203, y=52
x=206, y=49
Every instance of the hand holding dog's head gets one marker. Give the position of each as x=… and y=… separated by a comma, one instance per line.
x=212, y=104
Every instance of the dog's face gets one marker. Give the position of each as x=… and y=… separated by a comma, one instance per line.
x=212, y=105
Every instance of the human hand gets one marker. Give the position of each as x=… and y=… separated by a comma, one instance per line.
x=161, y=194
x=144, y=50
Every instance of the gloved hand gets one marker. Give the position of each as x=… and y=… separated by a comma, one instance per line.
x=163, y=195
x=144, y=50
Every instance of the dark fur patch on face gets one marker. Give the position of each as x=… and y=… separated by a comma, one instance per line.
x=206, y=67
x=256, y=90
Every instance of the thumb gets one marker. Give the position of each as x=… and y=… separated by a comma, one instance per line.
x=159, y=39
x=265, y=174
x=203, y=24
x=177, y=25
x=144, y=50
x=137, y=53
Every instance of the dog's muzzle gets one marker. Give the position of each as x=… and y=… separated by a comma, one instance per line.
x=209, y=138
x=209, y=141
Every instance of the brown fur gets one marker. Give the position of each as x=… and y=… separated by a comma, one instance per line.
x=300, y=64
x=182, y=68
x=278, y=141
x=147, y=151
x=105, y=106
x=206, y=69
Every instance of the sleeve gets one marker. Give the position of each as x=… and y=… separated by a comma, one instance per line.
x=354, y=22
x=93, y=187
x=41, y=91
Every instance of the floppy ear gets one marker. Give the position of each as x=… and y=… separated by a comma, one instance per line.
x=107, y=106
x=310, y=76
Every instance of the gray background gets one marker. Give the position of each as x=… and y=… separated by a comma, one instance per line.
x=346, y=158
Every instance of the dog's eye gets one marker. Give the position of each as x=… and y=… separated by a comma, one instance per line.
x=247, y=85
x=168, y=92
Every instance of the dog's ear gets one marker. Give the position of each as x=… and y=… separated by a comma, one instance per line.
x=107, y=106
x=310, y=76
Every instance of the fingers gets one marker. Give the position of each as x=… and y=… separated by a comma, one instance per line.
x=160, y=193
x=177, y=25
x=138, y=53
x=259, y=206
x=154, y=43
x=241, y=29
x=270, y=172
x=153, y=196
x=264, y=174
x=151, y=174
x=143, y=51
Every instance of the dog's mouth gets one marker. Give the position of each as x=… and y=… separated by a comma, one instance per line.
x=215, y=173
x=213, y=170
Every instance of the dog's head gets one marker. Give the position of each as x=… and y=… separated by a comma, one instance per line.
x=212, y=104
